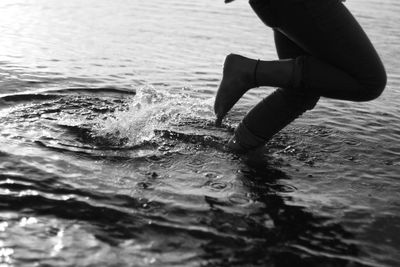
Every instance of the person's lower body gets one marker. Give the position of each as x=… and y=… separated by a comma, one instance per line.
x=275, y=111
x=323, y=52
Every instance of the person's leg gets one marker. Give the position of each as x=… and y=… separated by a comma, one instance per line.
x=277, y=110
x=241, y=74
x=342, y=62
x=286, y=48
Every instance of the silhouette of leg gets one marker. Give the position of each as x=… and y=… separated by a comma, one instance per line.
x=275, y=111
x=338, y=62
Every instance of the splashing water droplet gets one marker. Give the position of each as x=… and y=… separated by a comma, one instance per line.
x=151, y=110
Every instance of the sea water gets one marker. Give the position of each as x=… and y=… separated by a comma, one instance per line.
x=109, y=155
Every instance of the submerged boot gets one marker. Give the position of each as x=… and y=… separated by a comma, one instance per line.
x=268, y=117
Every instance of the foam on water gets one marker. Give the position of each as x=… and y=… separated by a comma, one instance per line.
x=149, y=111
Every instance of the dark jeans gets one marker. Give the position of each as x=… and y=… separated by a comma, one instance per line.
x=338, y=61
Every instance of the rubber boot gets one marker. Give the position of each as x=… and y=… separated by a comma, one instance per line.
x=270, y=116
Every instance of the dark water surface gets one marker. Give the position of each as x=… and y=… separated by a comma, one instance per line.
x=109, y=156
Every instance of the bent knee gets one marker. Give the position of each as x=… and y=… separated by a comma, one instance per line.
x=373, y=88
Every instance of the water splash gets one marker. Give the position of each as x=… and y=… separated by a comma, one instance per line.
x=151, y=110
